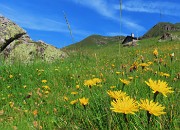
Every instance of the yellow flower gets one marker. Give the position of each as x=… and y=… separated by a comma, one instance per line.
x=130, y=78
x=44, y=81
x=46, y=87
x=84, y=101
x=150, y=63
x=96, y=80
x=74, y=93
x=112, y=87
x=118, y=73
x=46, y=92
x=74, y=102
x=112, y=65
x=125, y=105
x=65, y=98
x=116, y=94
x=89, y=83
x=77, y=86
x=164, y=74
x=11, y=104
x=155, y=52
x=144, y=64
x=124, y=81
x=10, y=76
x=159, y=86
x=152, y=107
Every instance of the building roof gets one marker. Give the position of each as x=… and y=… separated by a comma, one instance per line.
x=129, y=39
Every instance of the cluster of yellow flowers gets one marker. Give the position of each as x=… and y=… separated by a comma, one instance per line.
x=92, y=82
x=83, y=101
x=122, y=103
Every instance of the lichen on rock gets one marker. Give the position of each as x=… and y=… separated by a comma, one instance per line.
x=16, y=45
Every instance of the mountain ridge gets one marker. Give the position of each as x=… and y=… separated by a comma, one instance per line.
x=95, y=41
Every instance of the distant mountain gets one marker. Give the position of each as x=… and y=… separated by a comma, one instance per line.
x=95, y=41
x=16, y=45
x=161, y=28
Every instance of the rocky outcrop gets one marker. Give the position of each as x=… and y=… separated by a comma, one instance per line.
x=16, y=45
x=9, y=32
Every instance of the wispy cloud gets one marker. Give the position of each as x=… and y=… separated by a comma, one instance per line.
x=101, y=6
x=106, y=8
x=132, y=25
x=151, y=6
x=35, y=22
x=30, y=21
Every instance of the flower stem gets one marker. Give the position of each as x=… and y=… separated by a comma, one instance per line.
x=148, y=117
x=123, y=86
x=155, y=95
x=125, y=118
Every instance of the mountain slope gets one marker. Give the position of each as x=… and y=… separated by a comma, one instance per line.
x=161, y=28
x=95, y=42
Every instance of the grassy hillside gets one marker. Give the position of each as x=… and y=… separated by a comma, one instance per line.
x=160, y=28
x=51, y=95
x=95, y=41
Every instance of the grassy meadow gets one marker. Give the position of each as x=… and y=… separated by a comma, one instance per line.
x=78, y=92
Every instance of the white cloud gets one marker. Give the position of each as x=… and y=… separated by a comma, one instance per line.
x=105, y=8
x=132, y=25
x=167, y=8
x=35, y=22
x=30, y=21
x=101, y=6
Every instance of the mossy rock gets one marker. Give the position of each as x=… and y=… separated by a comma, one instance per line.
x=27, y=53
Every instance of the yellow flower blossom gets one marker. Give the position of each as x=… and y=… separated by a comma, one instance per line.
x=150, y=63
x=152, y=107
x=74, y=93
x=116, y=94
x=112, y=65
x=164, y=74
x=44, y=81
x=84, y=101
x=46, y=92
x=124, y=81
x=144, y=64
x=11, y=104
x=65, y=98
x=96, y=80
x=125, y=105
x=77, y=86
x=112, y=87
x=10, y=76
x=130, y=78
x=159, y=86
x=155, y=52
x=89, y=83
x=74, y=102
x=46, y=87
x=118, y=73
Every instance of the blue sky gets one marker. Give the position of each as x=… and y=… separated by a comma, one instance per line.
x=44, y=19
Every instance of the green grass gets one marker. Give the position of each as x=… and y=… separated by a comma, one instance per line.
x=23, y=94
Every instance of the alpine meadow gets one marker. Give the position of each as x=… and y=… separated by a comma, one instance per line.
x=99, y=83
